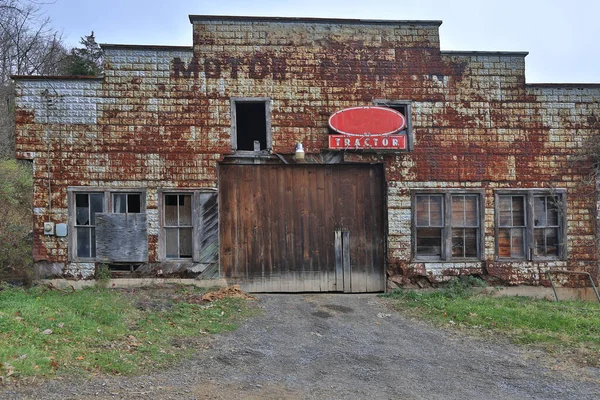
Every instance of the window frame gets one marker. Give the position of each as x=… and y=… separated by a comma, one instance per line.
x=233, y=130
x=529, y=239
x=446, y=237
x=410, y=139
x=162, y=248
x=107, y=204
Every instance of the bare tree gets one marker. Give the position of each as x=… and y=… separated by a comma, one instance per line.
x=28, y=46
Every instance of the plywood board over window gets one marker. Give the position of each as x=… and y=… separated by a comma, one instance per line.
x=108, y=225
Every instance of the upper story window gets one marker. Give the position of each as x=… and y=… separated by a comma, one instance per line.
x=403, y=107
x=447, y=225
x=530, y=224
x=251, y=124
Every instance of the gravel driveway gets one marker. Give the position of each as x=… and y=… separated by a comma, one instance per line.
x=333, y=346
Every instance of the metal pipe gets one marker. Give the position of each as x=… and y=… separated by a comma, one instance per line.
x=572, y=273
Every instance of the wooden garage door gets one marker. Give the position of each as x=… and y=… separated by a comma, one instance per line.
x=302, y=228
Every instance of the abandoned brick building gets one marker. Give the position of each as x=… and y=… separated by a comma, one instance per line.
x=188, y=160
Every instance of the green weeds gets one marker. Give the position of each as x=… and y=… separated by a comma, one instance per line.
x=568, y=327
x=97, y=330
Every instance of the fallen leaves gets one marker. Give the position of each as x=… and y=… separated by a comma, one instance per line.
x=232, y=291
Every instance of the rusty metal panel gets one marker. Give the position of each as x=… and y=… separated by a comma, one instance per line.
x=279, y=223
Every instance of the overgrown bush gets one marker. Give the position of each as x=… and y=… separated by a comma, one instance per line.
x=16, y=197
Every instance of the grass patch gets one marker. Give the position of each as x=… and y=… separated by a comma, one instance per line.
x=98, y=330
x=571, y=328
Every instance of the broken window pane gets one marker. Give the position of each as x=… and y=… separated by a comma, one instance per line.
x=119, y=203
x=539, y=211
x=171, y=210
x=134, y=203
x=552, y=211
x=82, y=209
x=552, y=243
x=546, y=242
x=96, y=206
x=185, y=210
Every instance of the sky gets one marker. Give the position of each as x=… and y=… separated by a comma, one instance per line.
x=562, y=37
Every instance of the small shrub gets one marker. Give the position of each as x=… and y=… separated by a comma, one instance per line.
x=16, y=221
x=103, y=275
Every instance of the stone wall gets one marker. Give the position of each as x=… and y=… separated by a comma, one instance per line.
x=161, y=118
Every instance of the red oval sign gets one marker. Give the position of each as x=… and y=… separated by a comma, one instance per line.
x=369, y=120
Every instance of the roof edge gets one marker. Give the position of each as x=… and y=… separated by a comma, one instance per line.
x=197, y=18
x=565, y=85
x=484, y=53
x=116, y=46
x=56, y=77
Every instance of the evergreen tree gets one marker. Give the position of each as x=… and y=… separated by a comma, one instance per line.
x=86, y=60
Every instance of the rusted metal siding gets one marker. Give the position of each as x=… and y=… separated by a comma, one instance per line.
x=161, y=118
x=278, y=226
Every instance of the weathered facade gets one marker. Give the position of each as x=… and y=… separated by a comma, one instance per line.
x=131, y=162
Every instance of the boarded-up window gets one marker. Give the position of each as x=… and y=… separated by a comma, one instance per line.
x=86, y=207
x=178, y=227
x=121, y=237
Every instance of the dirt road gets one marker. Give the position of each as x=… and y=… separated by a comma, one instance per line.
x=341, y=347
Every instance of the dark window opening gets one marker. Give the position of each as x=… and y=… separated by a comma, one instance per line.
x=251, y=125
x=127, y=203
